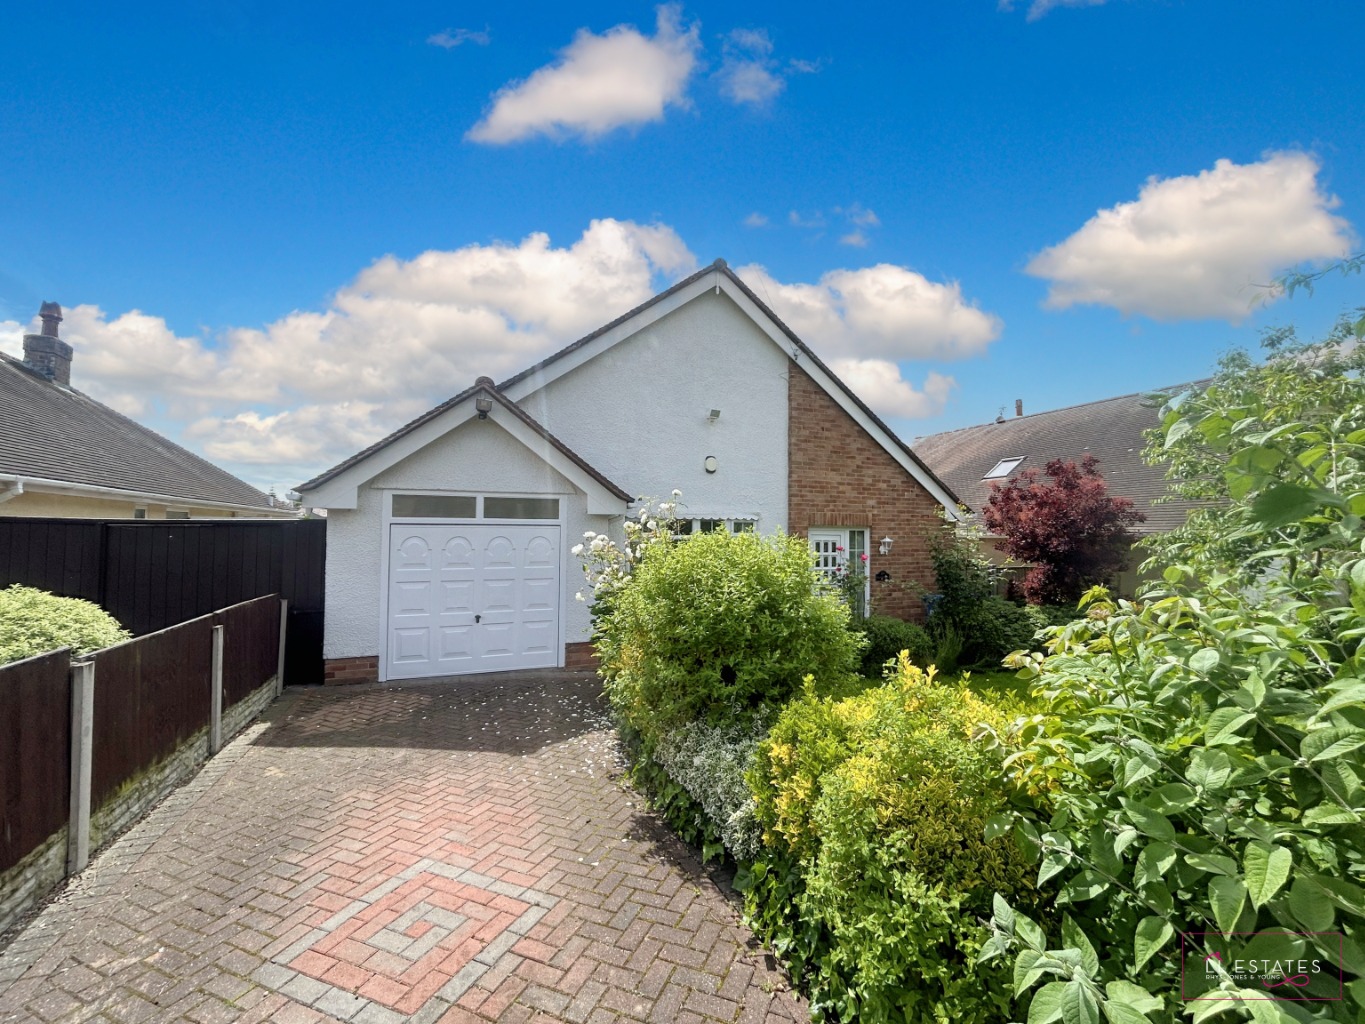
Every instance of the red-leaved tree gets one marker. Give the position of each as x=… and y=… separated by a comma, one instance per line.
x=1069, y=528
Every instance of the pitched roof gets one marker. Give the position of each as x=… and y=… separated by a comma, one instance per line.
x=53, y=432
x=1110, y=429
x=721, y=266
x=483, y=386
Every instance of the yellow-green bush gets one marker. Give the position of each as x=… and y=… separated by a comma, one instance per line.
x=34, y=622
x=878, y=874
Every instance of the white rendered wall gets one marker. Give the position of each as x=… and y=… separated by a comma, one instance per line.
x=478, y=457
x=638, y=412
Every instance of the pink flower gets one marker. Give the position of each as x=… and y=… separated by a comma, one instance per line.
x=863, y=557
x=838, y=547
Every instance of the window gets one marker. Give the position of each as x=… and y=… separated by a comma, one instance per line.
x=139, y=513
x=177, y=513
x=841, y=557
x=521, y=508
x=1004, y=468
x=433, y=506
x=687, y=527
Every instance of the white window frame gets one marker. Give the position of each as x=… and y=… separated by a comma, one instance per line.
x=731, y=525
x=1004, y=468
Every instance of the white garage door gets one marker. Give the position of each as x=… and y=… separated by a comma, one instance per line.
x=472, y=599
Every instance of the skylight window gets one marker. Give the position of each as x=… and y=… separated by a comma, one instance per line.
x=1004, y=468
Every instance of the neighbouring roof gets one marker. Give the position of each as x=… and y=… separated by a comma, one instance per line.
x=483, y=386
x=1110, y=429
x=52, y=432
x=719, y=266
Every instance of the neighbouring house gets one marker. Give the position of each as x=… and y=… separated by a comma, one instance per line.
x=972, y=459
x=449, y=542
x=63, y=454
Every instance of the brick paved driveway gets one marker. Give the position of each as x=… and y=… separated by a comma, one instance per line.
x=454, y=851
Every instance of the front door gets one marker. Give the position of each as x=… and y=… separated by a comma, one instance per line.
x=471, y=599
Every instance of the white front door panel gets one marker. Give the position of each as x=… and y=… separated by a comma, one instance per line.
x=472, y=599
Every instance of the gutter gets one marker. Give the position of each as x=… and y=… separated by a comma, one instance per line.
x=21, y=485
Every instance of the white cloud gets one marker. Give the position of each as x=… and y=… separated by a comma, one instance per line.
x=857, y=238
x=755, y=220
x=448, y=39
x=277, y=404
x=599, y=83
x=883, y=311
x=864, y=321
x=1040, y=7
x=1198, y=245
x=814, y=221
x=749, y=74
x=878, y=382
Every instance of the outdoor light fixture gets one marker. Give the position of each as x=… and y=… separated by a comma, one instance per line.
x=713, y=415
x=485, y=406
x=885, y=549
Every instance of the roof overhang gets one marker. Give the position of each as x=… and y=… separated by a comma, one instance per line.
x=12, y=485
x=340, y=489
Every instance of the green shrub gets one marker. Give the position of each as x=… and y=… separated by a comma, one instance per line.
x=34, y=622
x=877, y=871
x=718, y=627
x=993, y=628
x=1045, y=615
x=887, y=637
x=710, y=762
x=1205, y=753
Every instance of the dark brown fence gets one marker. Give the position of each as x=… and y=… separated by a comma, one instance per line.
x=151, y=695
x=154, y=574
x=35, y=735
x=251, y=644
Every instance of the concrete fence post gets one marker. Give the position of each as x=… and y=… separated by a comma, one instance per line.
x=216, y=701
x=279, y=665
x=82, y=759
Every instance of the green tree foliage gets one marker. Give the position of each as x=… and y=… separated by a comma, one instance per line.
x=1203, y=767
x=34, y=622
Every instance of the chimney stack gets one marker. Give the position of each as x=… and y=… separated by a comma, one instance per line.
x=1018, y=407
x=46, y=353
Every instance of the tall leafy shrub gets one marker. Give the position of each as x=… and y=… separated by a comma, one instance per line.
x=718, y=626
x=1206, y=753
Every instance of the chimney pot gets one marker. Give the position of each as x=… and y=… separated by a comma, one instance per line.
x=45, y=353
x=1018, y=407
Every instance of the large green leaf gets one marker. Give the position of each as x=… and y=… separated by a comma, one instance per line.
x=1079, y=1005
x=1227, y=896
x=1026, y=971
x=1074, y=938
x=1324, y=744
x=1122, y=1013
x=1223, y=724
x=1149, y=822
x=1134, y=995
x=1151, y=935
x=1210, y=769
x=1265, y=868
x=1046, y=1005
x=1310, y=905
x=1285, y=503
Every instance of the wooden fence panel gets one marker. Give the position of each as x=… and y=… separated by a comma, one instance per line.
x=151, y=695
x=251, y=645
x=154, y=574
x=35, y=753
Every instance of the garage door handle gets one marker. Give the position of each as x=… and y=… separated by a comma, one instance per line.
x=477, y=617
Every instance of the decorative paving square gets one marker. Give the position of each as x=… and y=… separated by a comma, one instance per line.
x=409, y=947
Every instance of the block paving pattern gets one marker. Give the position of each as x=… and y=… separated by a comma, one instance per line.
x=450, y=852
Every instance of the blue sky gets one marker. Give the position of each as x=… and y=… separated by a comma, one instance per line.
x=280, y=230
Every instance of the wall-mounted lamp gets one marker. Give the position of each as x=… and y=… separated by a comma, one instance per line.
x=885, y=548
x=485, y=406
x=713, y=415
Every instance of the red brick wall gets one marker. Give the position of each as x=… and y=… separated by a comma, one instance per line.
x=342, y=671
x=580, y=656
x=837, y=475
